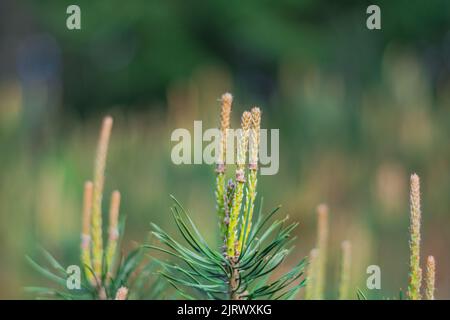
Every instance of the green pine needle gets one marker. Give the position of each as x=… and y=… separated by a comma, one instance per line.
x=199, y=271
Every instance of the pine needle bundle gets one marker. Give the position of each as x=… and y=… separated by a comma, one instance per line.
x=106, y=274
x=255, y=245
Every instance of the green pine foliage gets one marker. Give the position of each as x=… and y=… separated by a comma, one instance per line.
x=125, y=276
x=255, y=245
x=202, y=272
x=103, y=272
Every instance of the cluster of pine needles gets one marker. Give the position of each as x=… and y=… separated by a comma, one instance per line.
x=316, y=273
x=243, y=267
x=105, y=273
x=253, y=247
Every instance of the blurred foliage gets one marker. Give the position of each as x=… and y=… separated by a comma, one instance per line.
x=358, y=111
x=129, y=53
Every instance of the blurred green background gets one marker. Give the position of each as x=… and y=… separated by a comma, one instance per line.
x=358, y=111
